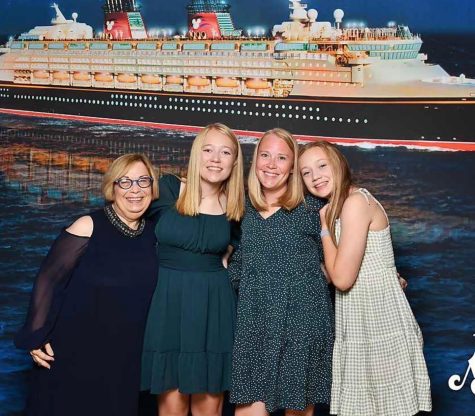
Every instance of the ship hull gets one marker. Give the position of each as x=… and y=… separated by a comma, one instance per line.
x=443, y=123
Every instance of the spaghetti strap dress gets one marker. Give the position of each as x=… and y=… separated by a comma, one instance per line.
x=189, y=333
x=378, y=362
x=90, y=301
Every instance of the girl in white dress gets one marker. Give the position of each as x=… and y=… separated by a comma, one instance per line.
x=378, y=362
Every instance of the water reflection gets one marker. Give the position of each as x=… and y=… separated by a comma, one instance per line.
x=51, y=171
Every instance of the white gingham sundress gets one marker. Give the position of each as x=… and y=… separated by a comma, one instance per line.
x=378, y=362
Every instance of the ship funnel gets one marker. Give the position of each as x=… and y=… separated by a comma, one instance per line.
x=75, y=16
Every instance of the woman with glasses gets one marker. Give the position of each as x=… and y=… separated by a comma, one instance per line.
x=189, y=334
x=87, y=314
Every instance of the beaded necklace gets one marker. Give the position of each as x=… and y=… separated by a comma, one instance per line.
x=119, y=224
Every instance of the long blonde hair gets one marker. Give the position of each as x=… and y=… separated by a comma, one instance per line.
x=342, y=181
x=188, y=202
x=294, y=193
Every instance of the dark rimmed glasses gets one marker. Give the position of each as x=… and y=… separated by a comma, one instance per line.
x=127, y=183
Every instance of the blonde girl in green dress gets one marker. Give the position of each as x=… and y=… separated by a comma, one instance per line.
x=378, y=362
x=189, y=335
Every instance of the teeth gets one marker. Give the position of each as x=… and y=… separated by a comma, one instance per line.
x=271, y=174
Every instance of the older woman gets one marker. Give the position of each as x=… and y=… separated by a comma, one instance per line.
x=85, y=324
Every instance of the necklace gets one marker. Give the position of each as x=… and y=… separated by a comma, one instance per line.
x=119, y=224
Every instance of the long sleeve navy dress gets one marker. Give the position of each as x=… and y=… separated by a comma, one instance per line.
x=90, y=301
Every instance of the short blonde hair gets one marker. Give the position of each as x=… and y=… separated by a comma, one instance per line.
x=119, y=167
x=294, y=193
x=188, y=202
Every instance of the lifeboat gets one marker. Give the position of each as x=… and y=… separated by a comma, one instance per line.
x=257, y=84
x=174, y=79
x=60, y=159
x=101, y=165
x=61, y=75
x=198, y=81
x=81, y=163
x=41, y=74
x=126, y=78
x=227, y=82
x=81, y=76
x=103, y=77
x=150, y=79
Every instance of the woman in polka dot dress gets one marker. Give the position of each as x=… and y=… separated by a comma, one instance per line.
x=284, y=333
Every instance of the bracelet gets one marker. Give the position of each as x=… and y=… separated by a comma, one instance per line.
x=324, y=233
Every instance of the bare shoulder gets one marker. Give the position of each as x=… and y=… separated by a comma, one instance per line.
x=356, y=207
x=82, y=227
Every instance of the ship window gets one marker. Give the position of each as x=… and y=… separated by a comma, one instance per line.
x=311, y=117
x=333, y=118
x=349, y=120
x=357, y=120
x=244, y=112
x=304, y=117
x=283, y=115
x=238, y=112
x=277, y=114
x=290, y=116
x=297, y=116
x=365, y=120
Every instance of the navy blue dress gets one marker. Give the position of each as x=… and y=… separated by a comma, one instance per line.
x=90, y=301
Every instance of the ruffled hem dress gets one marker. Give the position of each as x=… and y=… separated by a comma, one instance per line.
x=190, y=328
x=378, y=362
x=284, y=334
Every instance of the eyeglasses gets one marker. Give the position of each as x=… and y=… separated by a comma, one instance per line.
x=142, y=182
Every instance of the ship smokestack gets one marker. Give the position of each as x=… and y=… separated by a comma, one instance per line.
x=210, y=19
x=123, y=20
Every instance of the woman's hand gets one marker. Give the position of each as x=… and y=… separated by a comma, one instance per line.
x=402, y=281
x=43, y=356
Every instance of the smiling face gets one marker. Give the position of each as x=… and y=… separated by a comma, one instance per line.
x=274, y=164
x=130, y=204
x=218, y=154
x=316, y=172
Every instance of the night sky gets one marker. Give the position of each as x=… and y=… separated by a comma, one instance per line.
x=423, y=16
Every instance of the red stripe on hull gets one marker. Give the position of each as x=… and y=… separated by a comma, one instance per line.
x=455, y=146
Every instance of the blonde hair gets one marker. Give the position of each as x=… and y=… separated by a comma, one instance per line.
x=342, y=181
x=188, y=202
x=119, y=168
x=293, y=196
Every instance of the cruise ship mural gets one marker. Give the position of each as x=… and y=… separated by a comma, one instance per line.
x=316, y=78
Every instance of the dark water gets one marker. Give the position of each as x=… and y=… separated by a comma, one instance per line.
x=50, y=173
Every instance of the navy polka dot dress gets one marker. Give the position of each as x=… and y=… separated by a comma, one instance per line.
x=284, y=335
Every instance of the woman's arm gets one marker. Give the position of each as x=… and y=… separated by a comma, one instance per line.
x=343, y=262
x=50, y=286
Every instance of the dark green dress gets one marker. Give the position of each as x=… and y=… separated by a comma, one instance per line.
x=189, y=334
x=284, y=332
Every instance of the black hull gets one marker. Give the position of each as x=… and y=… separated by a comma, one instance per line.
x=445, y=123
